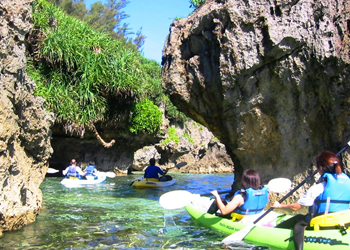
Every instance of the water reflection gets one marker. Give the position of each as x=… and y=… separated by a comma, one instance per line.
x=113, y=215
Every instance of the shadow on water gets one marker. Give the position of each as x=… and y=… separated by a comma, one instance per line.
x=113, y=215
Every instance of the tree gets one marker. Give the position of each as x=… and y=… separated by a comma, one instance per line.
x=140, y=39
x=107, y=18
x=196, y=3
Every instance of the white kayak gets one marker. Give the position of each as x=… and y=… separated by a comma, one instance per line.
x=69, y=182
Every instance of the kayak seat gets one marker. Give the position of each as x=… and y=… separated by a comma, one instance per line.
x=339, y=220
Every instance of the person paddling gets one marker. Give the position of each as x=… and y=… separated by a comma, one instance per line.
x=330, y=194
x=73, y=171
x=152, y=171
x=90, y=170
x=248, y=201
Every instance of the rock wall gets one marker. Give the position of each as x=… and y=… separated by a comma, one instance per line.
x=197, y=146
x=24, y=124
x=270, y=79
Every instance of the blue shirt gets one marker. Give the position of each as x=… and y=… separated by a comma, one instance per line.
x=152, y=172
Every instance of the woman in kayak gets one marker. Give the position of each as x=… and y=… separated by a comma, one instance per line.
x=330, y=194
x=152, y=171
x=90, y=170
x=248, y=201
x=73, y=171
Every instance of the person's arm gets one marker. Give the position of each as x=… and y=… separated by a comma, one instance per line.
x=293, y=206
x=305, y=200
x=165, y=172
x=80, y=171
x=229, y=207
x=145, y=174
x=64, y=172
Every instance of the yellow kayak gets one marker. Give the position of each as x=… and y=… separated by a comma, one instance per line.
x=146, y=183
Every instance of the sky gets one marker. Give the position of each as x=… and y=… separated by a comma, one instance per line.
x=154, y=17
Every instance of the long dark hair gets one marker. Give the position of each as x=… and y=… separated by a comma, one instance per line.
x=250, y=179
x=327, y=162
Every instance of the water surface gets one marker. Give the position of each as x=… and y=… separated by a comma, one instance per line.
x=113, y=215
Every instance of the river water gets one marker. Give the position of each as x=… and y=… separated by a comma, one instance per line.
x=113, y=215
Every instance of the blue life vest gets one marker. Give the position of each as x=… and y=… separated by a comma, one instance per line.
x=72, y=171
x=255, y=202
x=338, y=189
x=90, y=169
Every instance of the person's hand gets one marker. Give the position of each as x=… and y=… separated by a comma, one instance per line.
x=276, y=204
x=214, y=193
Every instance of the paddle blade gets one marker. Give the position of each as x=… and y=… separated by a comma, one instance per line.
x=108, y=174
x=181, y=164
x=175, y=199
x=279, y=185
x=238, y=236
x=52, y=170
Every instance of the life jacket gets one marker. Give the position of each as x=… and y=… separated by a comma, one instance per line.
x=90, y=170
x=72, y=171
x=255, y=202
x=337, y=190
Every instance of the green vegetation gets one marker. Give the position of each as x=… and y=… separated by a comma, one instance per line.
x=146, y=117
x=196, y=3
x=87, y=76
x=107, y=18
x=188, y=138
x=172, y=113
x=173, y=136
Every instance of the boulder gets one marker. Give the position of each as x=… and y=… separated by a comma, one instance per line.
x=270, y=79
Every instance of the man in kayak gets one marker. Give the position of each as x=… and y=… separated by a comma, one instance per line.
x=248, y=201
x=330, y=194
x=73, y=171
x=152, y=171
x=90, y=170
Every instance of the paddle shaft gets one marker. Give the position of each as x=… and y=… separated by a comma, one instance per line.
x=222, y=192
x=298, y=186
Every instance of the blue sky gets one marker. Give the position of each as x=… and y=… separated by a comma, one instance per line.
x=155, y=17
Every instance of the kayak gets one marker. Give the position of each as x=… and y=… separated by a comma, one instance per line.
x=142, y=182
x=68, y=182
x=264, y=233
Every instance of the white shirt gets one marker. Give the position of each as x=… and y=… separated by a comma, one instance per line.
x=309, y=197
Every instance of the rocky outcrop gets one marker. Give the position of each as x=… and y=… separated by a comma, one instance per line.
x=196, y=146
x=270, y=79
x=24, y=123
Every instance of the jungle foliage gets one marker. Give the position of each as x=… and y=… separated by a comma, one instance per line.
x=106, y=18
x=88, y=76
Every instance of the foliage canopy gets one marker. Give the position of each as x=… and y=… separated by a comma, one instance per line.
x=87, y=76
x=107, y=17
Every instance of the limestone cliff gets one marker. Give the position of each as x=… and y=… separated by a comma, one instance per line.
x=24, y=124
x=270, y=79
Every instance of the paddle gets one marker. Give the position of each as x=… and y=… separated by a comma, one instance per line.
x=108, y=174
x=178, y=166
x=180, y=198
x=52, y=171
x=239, y=236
